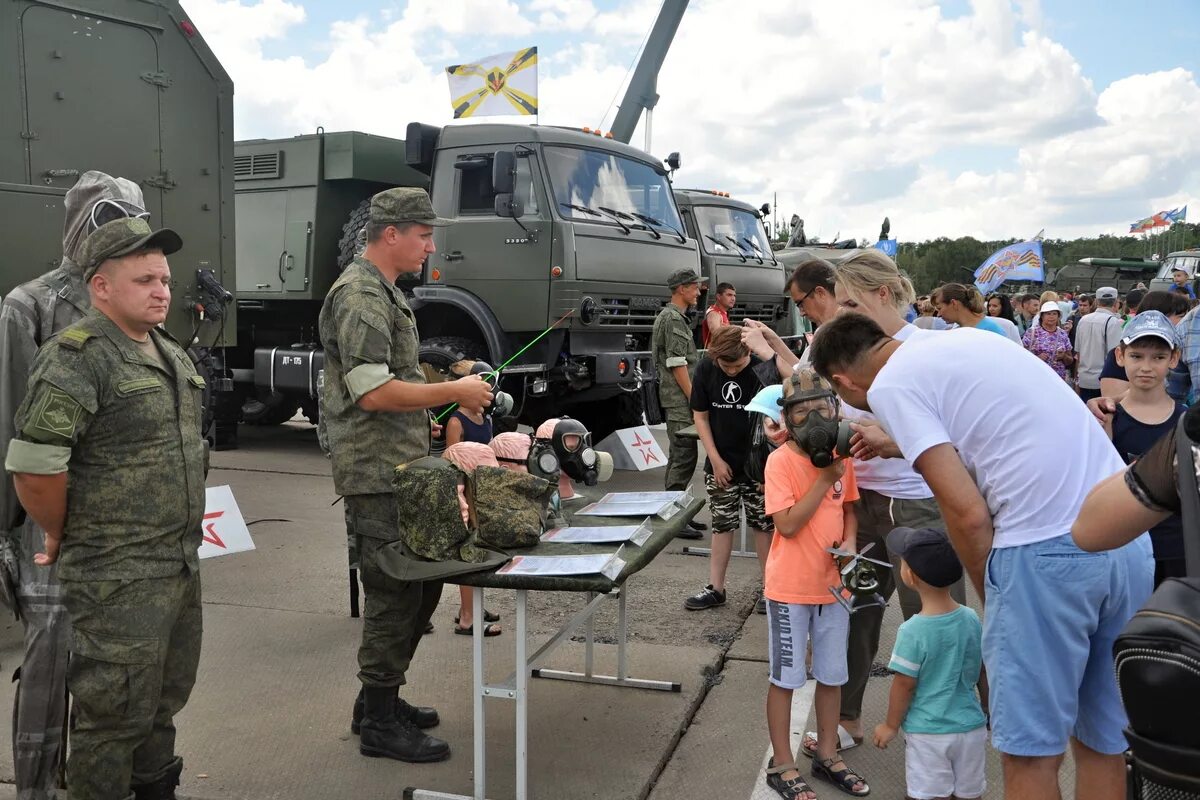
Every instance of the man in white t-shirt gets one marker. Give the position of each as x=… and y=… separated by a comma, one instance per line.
x=1097, y=334
x=1052, y=610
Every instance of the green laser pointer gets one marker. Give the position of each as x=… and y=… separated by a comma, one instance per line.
x=511, y=359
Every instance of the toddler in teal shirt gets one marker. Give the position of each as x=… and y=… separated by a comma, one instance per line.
x=937, y=661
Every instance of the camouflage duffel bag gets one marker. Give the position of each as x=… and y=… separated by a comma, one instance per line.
x=430, y=518
x=509, y=507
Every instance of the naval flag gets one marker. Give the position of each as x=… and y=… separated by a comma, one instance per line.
x=1020, y=261
x=499, y=85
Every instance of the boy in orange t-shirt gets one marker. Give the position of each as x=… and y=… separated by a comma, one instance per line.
x=812, y=510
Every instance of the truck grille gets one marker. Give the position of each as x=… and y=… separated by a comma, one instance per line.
x=762, y=312
x=258, y=165
x=625, y=311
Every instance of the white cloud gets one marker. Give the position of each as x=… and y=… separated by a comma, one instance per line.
x=848, y=111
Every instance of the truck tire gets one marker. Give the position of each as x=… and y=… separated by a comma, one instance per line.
x=440, y=352
x=350, y=245
x=602, y=417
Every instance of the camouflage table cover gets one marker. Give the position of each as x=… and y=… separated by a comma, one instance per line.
x=636, y=558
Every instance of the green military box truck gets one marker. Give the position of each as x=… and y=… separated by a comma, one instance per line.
x=551, y=225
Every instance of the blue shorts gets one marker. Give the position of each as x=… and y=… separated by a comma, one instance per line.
x=790, y=626
x=1053, y=612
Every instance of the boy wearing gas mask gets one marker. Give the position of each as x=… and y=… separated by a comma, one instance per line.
x=809, y=495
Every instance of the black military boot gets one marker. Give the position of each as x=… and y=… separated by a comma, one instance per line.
x=421, y=716
x=163, y=788
x=386, y=736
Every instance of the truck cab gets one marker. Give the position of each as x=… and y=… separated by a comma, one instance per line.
x=552, y=225
x=734, y=248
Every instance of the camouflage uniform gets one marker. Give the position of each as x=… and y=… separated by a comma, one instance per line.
x=674, y=347
x=370, y=337
x=129, y=570
x=30, y=316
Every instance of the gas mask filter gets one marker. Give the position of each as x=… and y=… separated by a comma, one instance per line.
x=816, y=431
x=502, y=402
x=572, y=444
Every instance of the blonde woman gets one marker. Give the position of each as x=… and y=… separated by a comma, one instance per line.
x=891, y=493
x=963, y=306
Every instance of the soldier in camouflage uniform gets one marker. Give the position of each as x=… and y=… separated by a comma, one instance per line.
x=30, y=316
x=675, y=358
x=375, y=402
x=110, y=461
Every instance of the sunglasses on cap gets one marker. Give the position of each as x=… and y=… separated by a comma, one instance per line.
x=105, y=211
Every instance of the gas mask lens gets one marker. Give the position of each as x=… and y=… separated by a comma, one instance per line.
x=588, y=457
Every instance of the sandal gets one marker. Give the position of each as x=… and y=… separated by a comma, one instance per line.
x=488, y=630
x=795, y=789
x=843, y=779
x=488, y=616
x=808, y=745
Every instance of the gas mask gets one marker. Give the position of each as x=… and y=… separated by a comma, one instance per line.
x=816, y=431
x=543, y=461
x=502, y=402
x=573, y=445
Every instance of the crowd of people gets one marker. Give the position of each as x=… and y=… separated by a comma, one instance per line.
x=932, y=389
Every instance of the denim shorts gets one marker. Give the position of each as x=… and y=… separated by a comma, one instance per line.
x=1052, y=614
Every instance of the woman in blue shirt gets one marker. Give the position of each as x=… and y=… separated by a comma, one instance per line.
x=963, y=306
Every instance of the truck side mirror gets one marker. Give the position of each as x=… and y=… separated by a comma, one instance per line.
x=765, y=209
x=509, y=206
x=674, y=161
x=504, y=173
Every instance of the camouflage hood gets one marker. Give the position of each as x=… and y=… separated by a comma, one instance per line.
x=91, y=187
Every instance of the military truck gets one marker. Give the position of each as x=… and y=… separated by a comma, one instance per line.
x=131, y=89
x=734, y=248
x=552, y=225
x=1186, y=260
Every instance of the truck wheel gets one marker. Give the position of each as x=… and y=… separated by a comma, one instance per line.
x=353, y=237
x=439, y=352
x=602, y=417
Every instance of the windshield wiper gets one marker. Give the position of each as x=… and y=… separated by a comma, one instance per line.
x=584, y=209
x=738, y=245
x=652, y=221
x=722, y=245
x=754, y=249
x=593, y=212
x=758, y=250
x=615, y=216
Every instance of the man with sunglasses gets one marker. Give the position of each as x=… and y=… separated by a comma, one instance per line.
x=31, y=315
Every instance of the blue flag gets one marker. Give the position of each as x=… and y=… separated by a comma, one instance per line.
x=888, y=246
x=1016, y=262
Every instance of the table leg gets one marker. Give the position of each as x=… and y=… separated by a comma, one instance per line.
x=622, y=632
x=522, y=698
x=479, y=735
x=589, y=640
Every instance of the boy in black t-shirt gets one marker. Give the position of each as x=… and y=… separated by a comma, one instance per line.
x=724, y=382
x=1148, y=350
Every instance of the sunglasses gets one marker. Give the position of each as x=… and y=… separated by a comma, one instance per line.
x=105, y=211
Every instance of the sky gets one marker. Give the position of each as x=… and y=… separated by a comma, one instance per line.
x=986, y=118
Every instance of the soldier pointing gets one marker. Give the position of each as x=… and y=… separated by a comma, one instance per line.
x=109, y=461
x=375, y=402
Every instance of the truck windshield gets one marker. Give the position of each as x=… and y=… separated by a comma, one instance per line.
x=1186, y=263
x=718, y=225
x=587, y=182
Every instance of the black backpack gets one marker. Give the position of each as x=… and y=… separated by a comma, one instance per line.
x=1157, y=661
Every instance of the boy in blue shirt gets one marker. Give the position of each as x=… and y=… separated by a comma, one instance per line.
x=937, y=662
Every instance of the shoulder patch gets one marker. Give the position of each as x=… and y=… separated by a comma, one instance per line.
x=74, y=338
x=57, y=414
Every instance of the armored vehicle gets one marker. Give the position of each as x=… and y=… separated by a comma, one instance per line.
x=734, y=248
x=129, y=88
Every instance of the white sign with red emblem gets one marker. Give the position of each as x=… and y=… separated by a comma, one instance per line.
x=223, y=529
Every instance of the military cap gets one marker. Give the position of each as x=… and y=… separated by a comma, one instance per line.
x=122, y=237
x=681, y=277
x=405, y=204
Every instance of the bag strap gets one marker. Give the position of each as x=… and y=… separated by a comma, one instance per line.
x=1189, y=497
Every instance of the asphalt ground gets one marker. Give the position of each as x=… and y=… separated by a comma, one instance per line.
x=269, y=717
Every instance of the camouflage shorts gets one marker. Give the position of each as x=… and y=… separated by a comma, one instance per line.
x=726, y=505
